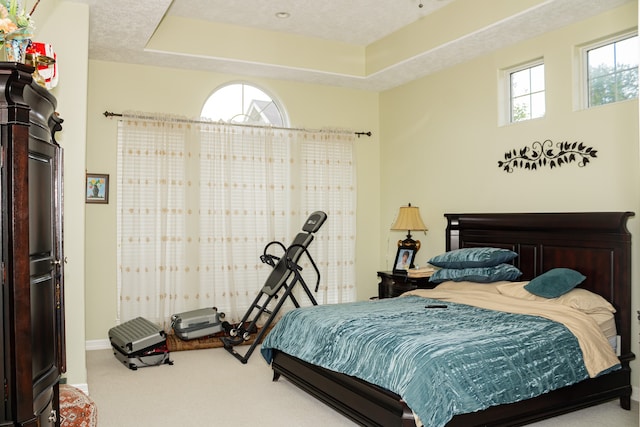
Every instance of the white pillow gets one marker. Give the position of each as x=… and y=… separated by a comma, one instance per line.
x=578, y=298
x=472, y=286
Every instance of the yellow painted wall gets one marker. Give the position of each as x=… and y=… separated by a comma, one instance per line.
x=457, y=20
x=119, y=87
x=232, y=42
x=66, y=26
x=441, y=143
x=436, y=143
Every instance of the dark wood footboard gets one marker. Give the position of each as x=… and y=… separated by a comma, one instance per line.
x=364, y=403
x=369, y=405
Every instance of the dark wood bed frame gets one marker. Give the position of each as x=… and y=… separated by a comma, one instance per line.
x=596, y=244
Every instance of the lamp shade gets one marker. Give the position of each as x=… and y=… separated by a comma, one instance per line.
x=409, y=219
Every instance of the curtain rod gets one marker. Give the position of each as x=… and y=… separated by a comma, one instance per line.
x=359, y=134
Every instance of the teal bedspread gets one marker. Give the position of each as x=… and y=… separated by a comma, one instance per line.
x=441, y=361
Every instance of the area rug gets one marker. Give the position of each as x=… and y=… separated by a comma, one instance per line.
x=76, y=408
x=212, y=341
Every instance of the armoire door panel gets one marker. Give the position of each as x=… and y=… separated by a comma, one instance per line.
x=32, y=309
x=41, y=208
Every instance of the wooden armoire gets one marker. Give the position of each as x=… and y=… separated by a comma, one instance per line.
x=32, y=341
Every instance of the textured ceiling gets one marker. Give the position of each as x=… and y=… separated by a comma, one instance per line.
x=352, y=21
x=120, y=30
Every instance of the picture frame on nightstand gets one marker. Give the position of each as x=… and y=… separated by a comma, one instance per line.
x=404, y=259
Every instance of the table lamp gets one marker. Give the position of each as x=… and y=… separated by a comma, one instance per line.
x=409, y=219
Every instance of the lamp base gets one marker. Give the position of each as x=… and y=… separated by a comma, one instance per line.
x=409, y=243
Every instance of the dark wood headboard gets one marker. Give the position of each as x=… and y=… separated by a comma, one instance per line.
x=597, y=244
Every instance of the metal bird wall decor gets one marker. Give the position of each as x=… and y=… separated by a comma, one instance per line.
x=546, y=153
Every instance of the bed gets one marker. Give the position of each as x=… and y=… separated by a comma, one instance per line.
x=596, y=244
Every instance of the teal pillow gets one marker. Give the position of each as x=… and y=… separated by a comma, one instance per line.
x=477, y=274
x=473, y=257
x=555, y=282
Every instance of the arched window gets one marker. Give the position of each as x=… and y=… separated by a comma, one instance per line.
x=243, y=103
x=254, y=184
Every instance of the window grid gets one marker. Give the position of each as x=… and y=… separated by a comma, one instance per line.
x=611, y=70
x=245, y=104
x=527, y=93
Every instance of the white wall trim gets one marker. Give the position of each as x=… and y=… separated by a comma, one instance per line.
x=97, y=345
x=84, y=387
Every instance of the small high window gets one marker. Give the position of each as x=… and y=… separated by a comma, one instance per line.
x=526, y=92
x=243, y=103
x=612, y=70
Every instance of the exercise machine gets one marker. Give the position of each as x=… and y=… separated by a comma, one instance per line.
x=286, y=274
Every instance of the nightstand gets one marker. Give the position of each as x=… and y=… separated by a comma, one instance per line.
x=391, y=284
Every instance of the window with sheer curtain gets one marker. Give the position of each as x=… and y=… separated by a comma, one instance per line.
x=198, y=202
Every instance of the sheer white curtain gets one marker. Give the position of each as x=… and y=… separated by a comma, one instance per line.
x=198, y=203
x=153, y=214
x=326, y=181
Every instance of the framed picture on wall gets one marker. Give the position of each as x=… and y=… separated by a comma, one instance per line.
x=404, y=259
x=97, y=188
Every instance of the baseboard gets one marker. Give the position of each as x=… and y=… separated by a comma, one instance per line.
x=83, y=387
x=97, y=345
x=635, y=394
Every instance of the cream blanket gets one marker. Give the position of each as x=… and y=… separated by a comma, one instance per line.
x=597, y=353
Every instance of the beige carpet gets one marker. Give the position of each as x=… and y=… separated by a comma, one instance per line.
x=202, y=388
x=211, y=388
